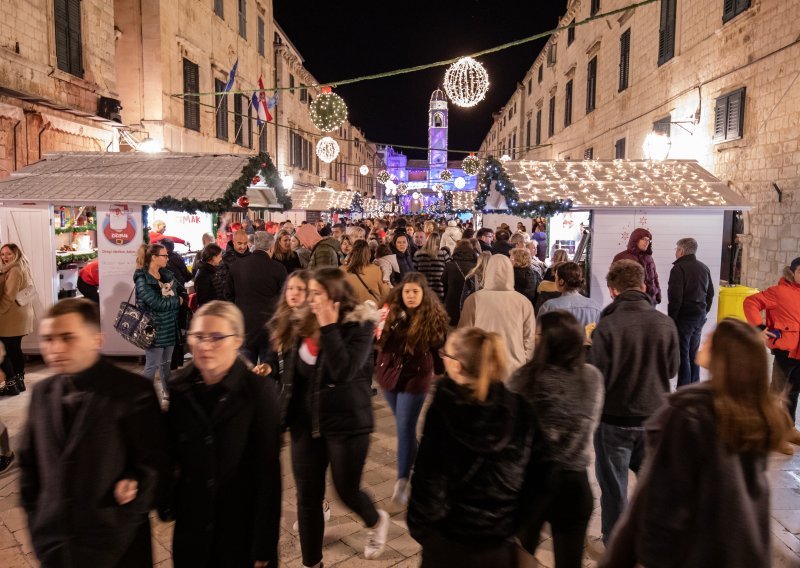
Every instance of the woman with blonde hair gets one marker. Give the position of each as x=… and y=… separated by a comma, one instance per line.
x=16, y=313
x=365, y=278
x=706, y=465
x=464, y=510
x=475, y=277
x=430, y=260
x=282, y=252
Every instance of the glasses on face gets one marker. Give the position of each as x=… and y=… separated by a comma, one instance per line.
x=212, y=338
x=445, y=355
x=163, y=255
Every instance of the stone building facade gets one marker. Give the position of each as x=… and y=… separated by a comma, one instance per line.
x=719, y=77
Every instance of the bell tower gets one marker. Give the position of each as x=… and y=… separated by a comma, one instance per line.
x=437, y=135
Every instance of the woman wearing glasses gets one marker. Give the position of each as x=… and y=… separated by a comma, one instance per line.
x=225, y=433
x=473, y=459
x=415, y=328
x=159, y=294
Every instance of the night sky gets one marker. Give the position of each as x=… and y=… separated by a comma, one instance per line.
x=345, y=39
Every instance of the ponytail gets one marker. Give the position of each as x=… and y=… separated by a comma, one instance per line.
x=483, y=358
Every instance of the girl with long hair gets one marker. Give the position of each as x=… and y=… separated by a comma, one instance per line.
x=414, y=329
x=474, y=279
x=16, y=320
x=283, y=252
x=566, y=396
x=401, y=247
x=430, y=260
x=473, y=460
x=323, y=361
x=705, y=471
x=365, y=278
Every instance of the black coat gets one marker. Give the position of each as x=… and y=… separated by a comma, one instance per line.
x=228, y=260
x=405, y=261
x=474, y=494
x=254, y=284
x=68, y=477
x=502, y=247
x=177, y=266
x=227, y=497
x=526, y=282
x=433, y=269
x=690, y=291
x=290, y=263
x=208, y=283
x=454, y=275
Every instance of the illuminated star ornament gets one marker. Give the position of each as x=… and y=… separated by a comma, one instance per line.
x=466, y=82
x=327, y=149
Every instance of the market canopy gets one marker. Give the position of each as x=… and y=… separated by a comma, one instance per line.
x=596, y=184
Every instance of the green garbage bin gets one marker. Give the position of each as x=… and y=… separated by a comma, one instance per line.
x=731, y=301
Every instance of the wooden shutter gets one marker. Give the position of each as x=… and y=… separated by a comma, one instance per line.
x=221, y=104
x=62, y=34
x=243, y=18
x=666, y=34
x=551, y=127
x=261, y=42
x=619, y=149
x=588, y=154
x=732, y=8
x=219, y=8
x=69, y=41
x=538, y=127
x=191, y=84
x=735, y=115
x=237, y=118
x=568, y=105
x=720, y=118
x=591, y=85
x=528, y=134
x=624, y=59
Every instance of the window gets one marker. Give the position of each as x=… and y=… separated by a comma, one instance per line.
x=291, y=84
x=237, y=119
x=666, y=31
x=624, y=59
x=513, y=146
x=539, y=127
x=571, y=33
x=262, y=139
x=221, y=105
x=732, y=8
x=729, y=116
x=69, y=45
x=552, y=58
x=591, y=86
x=248, y=131
x=528, y=134
x=191, y=104
x=261, y=40
x=551, y=126
x=619, y=149
x=663, y=126
x=303, y=95
x=243, y=18
x=530, y=86
x=588, y=154
x=595, y=7
x=541, y=70
x=219, y=8
x=568, y=105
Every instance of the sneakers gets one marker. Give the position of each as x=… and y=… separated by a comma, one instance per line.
x=376, y=537
x=402, y=490
x=326, y=514
x=6, y=461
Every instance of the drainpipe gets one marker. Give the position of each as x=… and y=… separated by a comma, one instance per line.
x=14, y=143
x=46, y=126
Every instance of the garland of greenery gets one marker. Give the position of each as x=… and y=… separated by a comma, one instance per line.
x=259, y=165
x=493, y=171
x=81, y=229
x=64, y=259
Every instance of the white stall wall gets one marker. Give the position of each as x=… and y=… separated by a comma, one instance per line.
x=188, y=226
x=611, y=230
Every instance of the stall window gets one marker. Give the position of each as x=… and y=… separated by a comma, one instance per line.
x=732, y=8
x=624, y=59
x=729, y=116
x=191, y=103
x=69, y=42
x=666, y=31
x=221, y=104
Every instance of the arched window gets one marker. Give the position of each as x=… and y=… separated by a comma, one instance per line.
x=438, y=120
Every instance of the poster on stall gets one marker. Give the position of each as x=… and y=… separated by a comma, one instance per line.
x=188, y=227
x=119, y=235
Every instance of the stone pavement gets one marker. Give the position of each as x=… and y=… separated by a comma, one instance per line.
x=344, y=535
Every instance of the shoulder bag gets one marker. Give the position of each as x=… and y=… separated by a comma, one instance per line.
x=135, y=325
x=371, y=292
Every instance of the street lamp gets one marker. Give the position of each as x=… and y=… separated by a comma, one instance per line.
x=657, y=146
x=288, y=182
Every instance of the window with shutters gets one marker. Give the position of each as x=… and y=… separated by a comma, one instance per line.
x=663, y=126
x=69, y=43
x=303, y=95
x=530, y=86
x=528, y=134
x=248, y=131
x=191, y=103
x=261, y=40
x=539, y=127
x=219, y=8
x=624, y=59
x=514, y=146
x=588, y=154
x=595, y=7
x=291, y=84
x=238, y=122
x=571, y=32
x=591, y=85
x=262, y=138
x=729, y=116
x=666, y=31
x=568, y=104
x=551, y=126
x=243, y=18
x=541, y=72
x=619, y=149
x=221, y=105
x=732, y=8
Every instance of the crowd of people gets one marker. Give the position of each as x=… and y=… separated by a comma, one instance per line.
x=293, y=331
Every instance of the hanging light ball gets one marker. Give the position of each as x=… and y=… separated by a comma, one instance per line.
x=328, y=111
x=402, y=188
x=466, y=82
x=390, y=185
x=363, y=170
x=327, y=149
x=459, y=183
x=383, y=177
x=446, y=175
x=471, y=165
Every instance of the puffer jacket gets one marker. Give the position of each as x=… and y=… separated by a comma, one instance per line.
x=433, y=269
x=208, y=284
x=782, y=306
x=163, y=309
x=646, y=260
x=475, y=495
x=451, y=235
x=326, y=253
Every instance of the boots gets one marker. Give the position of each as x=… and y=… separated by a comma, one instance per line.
x=10, y=388
x=21, y=382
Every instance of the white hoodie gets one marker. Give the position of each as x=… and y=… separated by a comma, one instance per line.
x=452, y=234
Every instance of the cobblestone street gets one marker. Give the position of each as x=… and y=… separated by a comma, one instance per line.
x=344, y=535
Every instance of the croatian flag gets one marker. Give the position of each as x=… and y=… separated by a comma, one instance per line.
x=232, y=76
x=261, y=103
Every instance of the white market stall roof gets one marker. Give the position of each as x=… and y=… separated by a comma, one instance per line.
x=321, y=199
x=615, y=184
x=110, y=177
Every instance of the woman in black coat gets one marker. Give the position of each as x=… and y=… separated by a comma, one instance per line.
x=225, y=433
x=455, y=274
x=405, y=259
x=526, y=278
x=208, y=282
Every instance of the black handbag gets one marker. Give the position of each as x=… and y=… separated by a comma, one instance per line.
x=134, y=325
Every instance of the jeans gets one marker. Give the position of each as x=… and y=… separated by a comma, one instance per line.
x=689, y=331
x=791, y=371
x=439, y=552
x=310, y=459
x=617, y=449
x=14, y=360
x=158, y=359
x=406, y=408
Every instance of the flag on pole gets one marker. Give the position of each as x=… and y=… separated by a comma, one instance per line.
x=263, y=111
x=260, y=116
x=232, y=76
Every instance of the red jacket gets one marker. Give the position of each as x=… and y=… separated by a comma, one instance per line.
x=90, y=273
x=782, y=306
x=156, y=236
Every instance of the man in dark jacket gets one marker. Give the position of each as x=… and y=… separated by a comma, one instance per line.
x=326, y=253
x=640, y=249
x=636, y=349
x=485, y=238
x=502, y=244
x=690, y=294
x=238, y=247
x=254, y=284
x=93, y=450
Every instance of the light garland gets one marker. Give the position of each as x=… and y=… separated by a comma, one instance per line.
x=459, y=183
x=402, y=188
x=466, y=82
x=328, y=111
x=327, y=149
x=391, y=186
x=383, y=177
x=363, y=170
x=438, y=186
x=471, y=165
x=446, y=175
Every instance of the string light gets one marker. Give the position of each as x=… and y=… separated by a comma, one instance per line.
x=460, y=183
x=383, y=177
x=446, y=175
x=402, y=188
x=390, y=185
x=471, y=165
x=328, y=111
x=363, y=170
x=466, y=82
x=327, y=149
